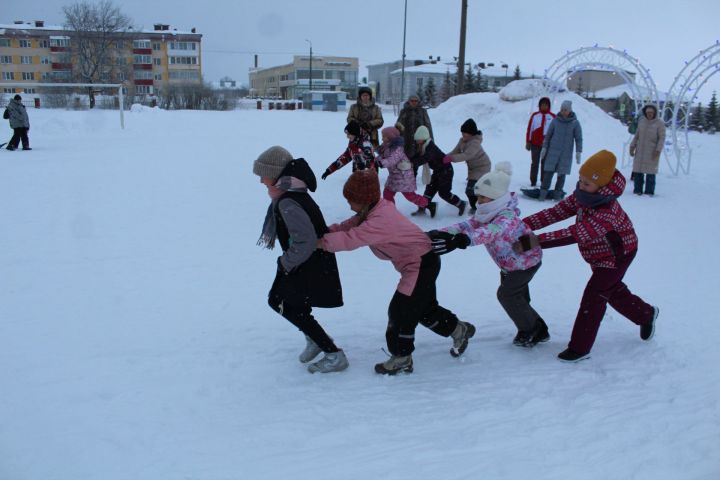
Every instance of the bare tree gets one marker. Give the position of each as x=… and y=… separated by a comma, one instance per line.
x=95, y=30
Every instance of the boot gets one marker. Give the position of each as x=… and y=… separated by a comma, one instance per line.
x=461, y=207
x=558, y=194
x=311, y=351
x=543, y=194
x=463, y=332
x=331, y=362
x=420, y=212
x=539, y=334
x=432, y=206
x=572, y=356
x=648, y=330
x=395, y=365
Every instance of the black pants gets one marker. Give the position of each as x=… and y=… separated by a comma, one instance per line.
x=514, y=296
x=647, y=179
x=441, y=183
x=535, y=163
x=405, y=312
x=19, y=134
x=301, y=316
x=470, y=193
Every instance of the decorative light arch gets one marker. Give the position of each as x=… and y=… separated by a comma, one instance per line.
x=682, y=93
x=608, y=58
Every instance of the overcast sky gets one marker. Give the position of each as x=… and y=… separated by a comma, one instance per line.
x=529, y=33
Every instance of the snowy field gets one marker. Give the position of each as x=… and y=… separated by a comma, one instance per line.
x=136, y=342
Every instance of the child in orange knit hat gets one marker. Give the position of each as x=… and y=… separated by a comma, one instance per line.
x=607, y=241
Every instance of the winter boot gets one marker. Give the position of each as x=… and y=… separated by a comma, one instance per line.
x=331, y=362
x=461, y=207
x=432, y=206
x=419, y=213
x=572, y=356
x=311, y=351
x=473, y=210
x=543, y=194
x=648, y=330
x=558, y=194
x=395, y=365
x=463, y=332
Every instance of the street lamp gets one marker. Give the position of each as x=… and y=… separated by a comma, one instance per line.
x=310, y=89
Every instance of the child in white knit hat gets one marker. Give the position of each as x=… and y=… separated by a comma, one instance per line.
x=497, y=225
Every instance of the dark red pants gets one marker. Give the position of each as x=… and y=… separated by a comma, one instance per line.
x=606, y=287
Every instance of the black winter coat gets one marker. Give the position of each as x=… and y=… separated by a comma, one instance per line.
x=316, y=282
x=442, y=173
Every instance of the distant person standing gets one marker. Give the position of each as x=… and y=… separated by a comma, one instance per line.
x=19, y=122
x=537, y=128
x=645, y=148
x=412, y=116
x=367, y=114
x=557, y=150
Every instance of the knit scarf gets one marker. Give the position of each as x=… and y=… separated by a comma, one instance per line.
x=593, y=200
x=269, y=229
x=487, y=211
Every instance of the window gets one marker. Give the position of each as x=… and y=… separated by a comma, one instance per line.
x=45, y=60
x=61, y=75
x=28, y=90
x=59, y=42
x=120, y=45
x=158, y=76
x=8, y=90
x=183, y=60
x=157, y=61
x=142, y=59
x=26, y=60
x=419, y=83
x=8, y=75
x=185, y=75
x=156, y=46
x=120, y=61
x=46, y=75
x=141, y=43
x=143, y=89
x=124, y=90
x=122, y=76
x=25, y=43
x=143, y=75
x=4, y=42
x=28, y=75
x=183, y=46
x=6, y=59
x=43, y=44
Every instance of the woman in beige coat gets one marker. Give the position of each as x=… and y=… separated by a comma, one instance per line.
x=646, y=147
x=469, y=149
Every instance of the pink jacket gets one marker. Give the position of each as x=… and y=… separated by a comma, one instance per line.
x=401, y=177
x=390, y=236
x=498, y=236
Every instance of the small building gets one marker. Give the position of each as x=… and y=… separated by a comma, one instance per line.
x=292, y=80
x=592, y=80
x=618, y=100
x=379, y=75
x=417, y=78
x=328, y=101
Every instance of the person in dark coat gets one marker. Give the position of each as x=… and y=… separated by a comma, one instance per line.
x=442, y=176
x=366, y=113
x=19, y=122
x=412, y=116
x=306, y=277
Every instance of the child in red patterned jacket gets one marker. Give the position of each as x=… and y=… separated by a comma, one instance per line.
x=359, y=151
x=607, y=241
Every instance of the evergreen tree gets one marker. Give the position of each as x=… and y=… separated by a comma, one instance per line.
x=430, y=93
x=448, y=87
x=696, y=120
x=481, y=82
x=711, y=113
x=421, y=96
x=470, y=85
x=517, y=75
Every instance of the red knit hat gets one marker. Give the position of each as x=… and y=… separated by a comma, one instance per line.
x=362, y=187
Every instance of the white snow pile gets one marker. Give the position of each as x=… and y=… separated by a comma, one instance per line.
x=139, y=108
x=518, y=90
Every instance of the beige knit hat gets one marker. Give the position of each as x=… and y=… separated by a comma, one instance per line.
x=271, y=162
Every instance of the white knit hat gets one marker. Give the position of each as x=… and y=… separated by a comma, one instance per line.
x=495, y=184
x=422, y=133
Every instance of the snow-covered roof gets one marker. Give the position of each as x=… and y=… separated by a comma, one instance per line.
x=427, y=68
x=618, y=90
x=32, y=26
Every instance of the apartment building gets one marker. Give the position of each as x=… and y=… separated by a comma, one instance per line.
x=144, y=60
x=291, y=81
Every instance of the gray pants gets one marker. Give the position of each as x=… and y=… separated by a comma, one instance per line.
x=547, y=180
x=514, y=296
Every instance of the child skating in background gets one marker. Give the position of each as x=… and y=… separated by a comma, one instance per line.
x=401, y=177
x=359, y=151
x=497, y=225
x=306, y=277
x=607, y=241
x=442, y=175
x=391, y=236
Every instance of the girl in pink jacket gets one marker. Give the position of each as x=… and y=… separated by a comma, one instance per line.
x=391, y=236
x=497, y=225
x=401, y=177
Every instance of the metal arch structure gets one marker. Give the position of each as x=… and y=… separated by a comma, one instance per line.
x=683, y=91
x=608, y=58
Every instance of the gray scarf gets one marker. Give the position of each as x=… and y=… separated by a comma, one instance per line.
x=269, y=229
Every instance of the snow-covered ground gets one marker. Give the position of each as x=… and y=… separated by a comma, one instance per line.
x=136, y=343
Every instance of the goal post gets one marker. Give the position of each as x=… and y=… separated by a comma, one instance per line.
x=58, y=85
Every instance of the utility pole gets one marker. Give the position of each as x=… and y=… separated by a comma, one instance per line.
x=310, y=89
x=461, y=55
x=402, y=73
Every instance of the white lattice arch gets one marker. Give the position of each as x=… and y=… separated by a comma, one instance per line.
x=609, y=58
x=682, y=93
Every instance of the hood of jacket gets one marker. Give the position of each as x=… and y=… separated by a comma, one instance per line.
x=570, y=118
x=300, y=169
x=616, y=186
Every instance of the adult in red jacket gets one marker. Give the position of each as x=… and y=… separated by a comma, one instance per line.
x=607, y=241
x=535, y=135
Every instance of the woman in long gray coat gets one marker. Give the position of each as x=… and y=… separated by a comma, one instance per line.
x=646, y=147
x=19, y=122
x=557, y=149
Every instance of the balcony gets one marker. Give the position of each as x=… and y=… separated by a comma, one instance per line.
x=142, y=66
x=143, y=82
x=62, y=66
x=142, y=51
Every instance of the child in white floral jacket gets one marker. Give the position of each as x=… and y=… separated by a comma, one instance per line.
x=497, y=225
